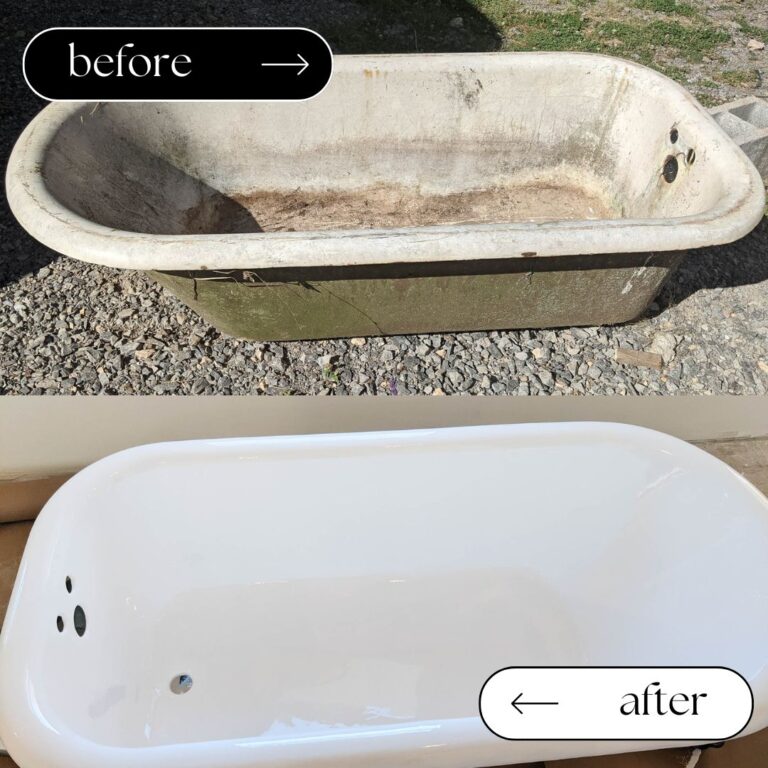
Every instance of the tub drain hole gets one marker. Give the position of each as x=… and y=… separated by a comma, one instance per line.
x=59, y=623
x=79, y=620
x=181, y=684
x=669, y=172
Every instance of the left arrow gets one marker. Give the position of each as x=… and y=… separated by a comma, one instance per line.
x=517, y=703
x=302, y=63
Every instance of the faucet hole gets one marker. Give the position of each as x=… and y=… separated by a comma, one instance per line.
x=669, y=171
x=59, y=623
x=673, y=135
x=79, y=620
x=181, y=684
x=68, y=584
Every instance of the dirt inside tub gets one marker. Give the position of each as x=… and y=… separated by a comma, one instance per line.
x=397, y=206
x=106, y=177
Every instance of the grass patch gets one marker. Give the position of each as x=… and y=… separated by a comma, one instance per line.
x=330, y=375
x=530, y=30
x=687, y=42
x=738, y=77
x=670, y=7
x=391, y=26
x=541, y=31
x=751, y=29
x=676, y=73
x=525, y=30
x=706, y=99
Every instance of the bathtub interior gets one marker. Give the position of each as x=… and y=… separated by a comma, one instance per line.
x=375, y=599
x=399, y=141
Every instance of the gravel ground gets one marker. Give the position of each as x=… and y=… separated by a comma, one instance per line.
x=67, y=327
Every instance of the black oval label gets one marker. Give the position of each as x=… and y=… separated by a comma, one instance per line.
x=177, y=64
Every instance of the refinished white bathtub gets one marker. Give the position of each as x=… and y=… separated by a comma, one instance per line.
x=339, y=600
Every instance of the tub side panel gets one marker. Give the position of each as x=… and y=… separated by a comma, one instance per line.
x=281, y=305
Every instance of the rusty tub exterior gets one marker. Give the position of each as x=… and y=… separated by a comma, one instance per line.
x=416, y=193
x=318, y=303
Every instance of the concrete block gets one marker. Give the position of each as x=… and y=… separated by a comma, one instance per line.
x=746, y=122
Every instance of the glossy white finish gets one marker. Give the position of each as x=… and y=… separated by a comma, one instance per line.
x=340, y=599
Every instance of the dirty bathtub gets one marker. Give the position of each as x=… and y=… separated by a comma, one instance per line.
x=192, y=604
x=416, y=193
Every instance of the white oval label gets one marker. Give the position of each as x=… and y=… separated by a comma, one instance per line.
x=616, y=703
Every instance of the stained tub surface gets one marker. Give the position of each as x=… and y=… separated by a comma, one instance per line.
x=415, y=193
x=341, y=599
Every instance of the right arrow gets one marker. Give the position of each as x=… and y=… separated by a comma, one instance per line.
x=302, y=63
x=517, y=703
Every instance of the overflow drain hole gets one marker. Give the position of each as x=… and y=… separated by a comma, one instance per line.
x=669, y=171
x=690, y=156
x=59, y=623
x=181, y=684
x=68, y=584
x=79, y=619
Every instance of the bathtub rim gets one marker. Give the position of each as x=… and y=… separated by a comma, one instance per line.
x=738, y=211
x=459, y=739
